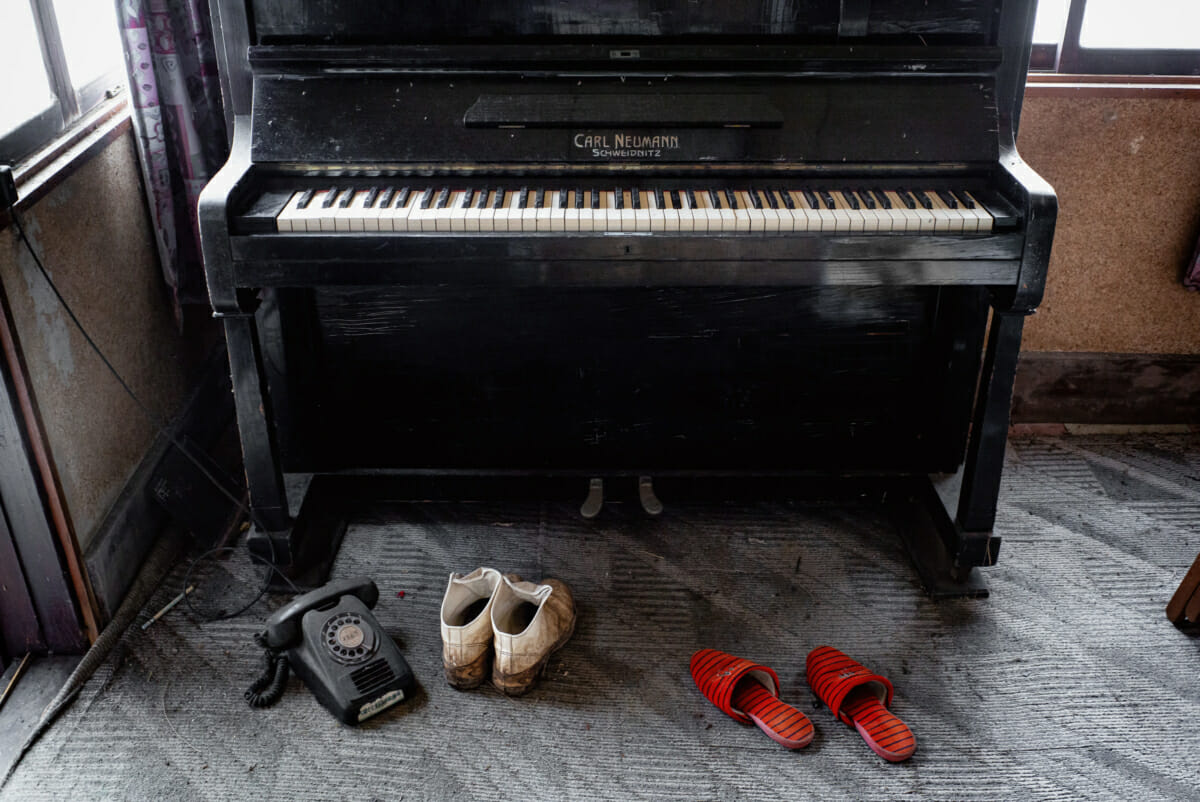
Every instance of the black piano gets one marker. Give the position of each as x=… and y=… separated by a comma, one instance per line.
x=783, y=239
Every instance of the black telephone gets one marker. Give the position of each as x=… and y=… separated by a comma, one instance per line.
x=337, y=647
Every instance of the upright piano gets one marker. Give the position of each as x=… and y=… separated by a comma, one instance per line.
x=622, y=238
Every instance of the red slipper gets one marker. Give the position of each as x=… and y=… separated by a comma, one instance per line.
x=749, y=692
x=860, y=699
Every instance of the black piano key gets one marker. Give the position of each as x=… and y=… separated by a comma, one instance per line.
x=636, y=195
x=884, y=201
x=733, y=201
x=909, y=201
x=330, y=197
x=788, y=203
x=715, y=197
x=305, y=199
x=468, y=196
x=755, y=201
x=851, y=199
x=827, y=198
x=482, y=202
x=691, y=199
x=562, y=199
x=964, y=199
x=540, y=200
x=772, y=200
x=948, y=198
x=620, y=198
x=443, y=198
x=426, y=198
x=660, y=200
x=498, y=200
x=372, y=196
x=867, y=198
x=676, y=199
x=403, y=197
x=385, y=197
x=811, y=198
x=347, y=198
x=523, y=198
x=924, y=200
x=579, y=198
x=595, y=199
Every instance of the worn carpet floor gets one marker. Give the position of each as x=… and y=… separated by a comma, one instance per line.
x=1068, y=683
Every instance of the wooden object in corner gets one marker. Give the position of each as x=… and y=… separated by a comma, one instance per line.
x=1184, y=606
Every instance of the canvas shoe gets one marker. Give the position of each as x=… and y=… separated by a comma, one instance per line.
x=530, y=622
x=467, y=626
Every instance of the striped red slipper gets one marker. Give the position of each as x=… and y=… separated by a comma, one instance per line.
x=749, y=692
x=860, y=699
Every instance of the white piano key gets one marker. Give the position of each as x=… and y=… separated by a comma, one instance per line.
x=670, y=213
x=529, y=212
x=757, y=224
x=641, y=215
x=571, y=213
x=772, y=221
x=587, y=215
x=983, y=219
x=291, y=210
x=558, y=211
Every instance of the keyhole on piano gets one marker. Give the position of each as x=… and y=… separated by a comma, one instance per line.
x=626, y=249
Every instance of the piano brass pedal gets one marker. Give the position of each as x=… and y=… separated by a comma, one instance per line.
x=650, y=502
x=595, y=499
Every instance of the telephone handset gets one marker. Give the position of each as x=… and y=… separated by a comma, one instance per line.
x=337, y=647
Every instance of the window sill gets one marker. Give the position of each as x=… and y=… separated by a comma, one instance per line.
x=1139, y=86
x=50, y=166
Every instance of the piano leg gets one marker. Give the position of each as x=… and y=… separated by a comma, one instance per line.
x=945, y=550
x=989, y=434
x=260, y=452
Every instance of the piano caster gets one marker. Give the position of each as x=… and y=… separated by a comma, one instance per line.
x=650, y=502
x=594, y=501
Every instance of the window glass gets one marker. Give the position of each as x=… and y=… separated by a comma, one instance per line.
x=21, y=56
x=1144, y=25
x=90, y=38
x=1051, y=21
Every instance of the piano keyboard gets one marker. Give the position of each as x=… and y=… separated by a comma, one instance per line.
x=752, y=210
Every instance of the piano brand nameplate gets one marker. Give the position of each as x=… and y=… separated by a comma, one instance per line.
x=640, y=146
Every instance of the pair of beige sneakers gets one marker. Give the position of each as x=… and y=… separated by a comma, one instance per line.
x=522, y=623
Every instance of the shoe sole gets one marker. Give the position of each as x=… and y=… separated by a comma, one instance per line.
x=469, y=676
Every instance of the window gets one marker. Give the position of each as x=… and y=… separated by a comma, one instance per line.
x=59, y=59
x=1117, y=37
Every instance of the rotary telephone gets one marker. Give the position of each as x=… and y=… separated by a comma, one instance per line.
x=337, y=647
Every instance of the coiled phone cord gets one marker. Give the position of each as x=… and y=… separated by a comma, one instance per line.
x=268, y=688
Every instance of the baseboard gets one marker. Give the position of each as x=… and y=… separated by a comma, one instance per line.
x=1098, y=388
x=136, y=519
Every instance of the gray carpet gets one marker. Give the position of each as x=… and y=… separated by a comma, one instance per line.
x=1067, y=683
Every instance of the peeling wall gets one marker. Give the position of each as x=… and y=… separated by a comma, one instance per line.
x=94, y=236
x=1127, y=173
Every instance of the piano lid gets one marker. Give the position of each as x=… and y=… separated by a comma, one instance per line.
x=363, y=22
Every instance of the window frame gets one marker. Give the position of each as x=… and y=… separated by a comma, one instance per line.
x=70, y=104
x=1069, y=57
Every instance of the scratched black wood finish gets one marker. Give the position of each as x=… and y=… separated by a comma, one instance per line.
x=422, y=119
x=366, y=21
x=539, y=379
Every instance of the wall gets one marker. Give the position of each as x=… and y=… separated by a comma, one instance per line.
x=1127, y=173
x=94, y=236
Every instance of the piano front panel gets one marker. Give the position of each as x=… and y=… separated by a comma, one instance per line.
x=631, y=122
x=366, y=22
x=830, y=378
